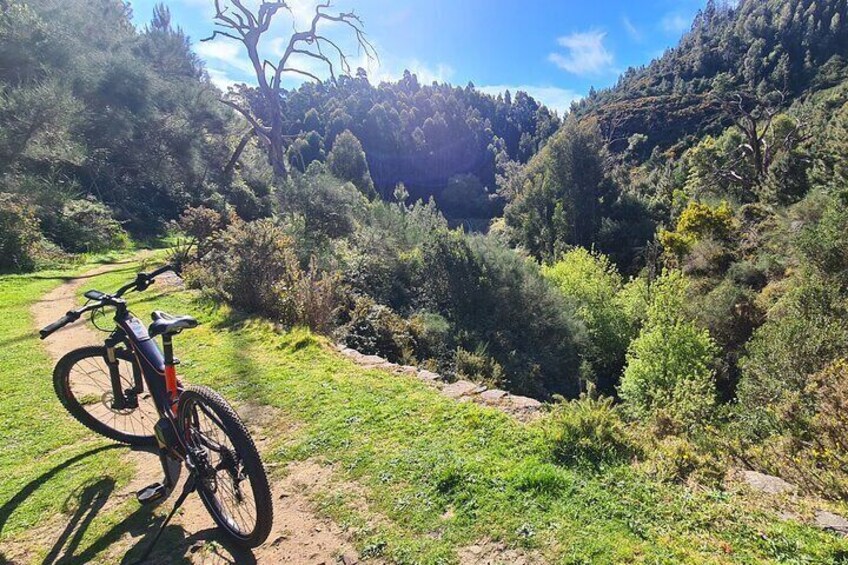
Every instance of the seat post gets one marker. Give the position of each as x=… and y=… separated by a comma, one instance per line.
x=170, y=366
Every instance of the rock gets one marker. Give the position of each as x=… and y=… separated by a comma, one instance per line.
x=373, y=360
x=346, y=559
x=196, y=546
x=459, y=388
x=766, y=483
x=479, y=389
x=833, y=522
x=493, y=395
x=429, y=375
x=524, y=402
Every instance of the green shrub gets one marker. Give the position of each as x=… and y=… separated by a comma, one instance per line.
x=588, y=431
x=374, y=329
x=678, y=459
x=328, y=207
x=86, y=225
x=812, y=452
x=670, y=365
x=248, y=265
x=824, y=244
x=592, y=283
x=19, y=234
x=806, y=330
x=200, y=225
x=478, y=367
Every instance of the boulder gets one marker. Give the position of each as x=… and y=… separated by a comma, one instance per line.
x=833, y=522
x=766, y=483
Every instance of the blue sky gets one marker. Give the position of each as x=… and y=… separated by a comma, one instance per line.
x=554, y=49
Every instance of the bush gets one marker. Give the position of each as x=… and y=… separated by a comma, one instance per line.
x=669, y=372
x=811, y=449
x=478, y=367
x=374, y=329
x=201, y=225
x=677, y=459
x=19, y=234
x=246, y=268
x=86, y=225
x=592, y=283
x=327, y=207
x=489, y=297
x=807, y=328
x=502, y=302
x=824, y=244
x=699, y=222
x=588, y=431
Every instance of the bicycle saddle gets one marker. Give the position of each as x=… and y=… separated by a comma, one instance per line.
x=167, y=324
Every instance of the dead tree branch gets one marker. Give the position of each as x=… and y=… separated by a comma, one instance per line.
x=235, y=21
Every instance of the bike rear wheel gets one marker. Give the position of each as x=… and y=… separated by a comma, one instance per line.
x=231, y=480
x=82, y=382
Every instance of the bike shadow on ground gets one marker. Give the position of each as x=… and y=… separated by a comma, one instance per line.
x=84, y=505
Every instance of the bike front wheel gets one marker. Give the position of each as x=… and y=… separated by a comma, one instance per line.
x=231, y=480
x=83, y=384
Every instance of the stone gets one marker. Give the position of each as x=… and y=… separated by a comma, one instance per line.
x=832, y=522
x=429, y=375
x=524, y=402
x=766, y=483
x=493, y=395
x=459, y=388
x=373, y=360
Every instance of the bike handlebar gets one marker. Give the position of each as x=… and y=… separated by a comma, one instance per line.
x=71, y=316
x=142, y=282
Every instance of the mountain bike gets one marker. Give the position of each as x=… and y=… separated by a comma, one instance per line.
x=128, y=391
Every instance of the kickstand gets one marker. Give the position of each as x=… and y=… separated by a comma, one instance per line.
x=189, y=487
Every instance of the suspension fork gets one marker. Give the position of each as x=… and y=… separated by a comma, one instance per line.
x=119, y=399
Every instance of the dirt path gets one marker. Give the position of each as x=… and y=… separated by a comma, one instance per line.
x=299, y=536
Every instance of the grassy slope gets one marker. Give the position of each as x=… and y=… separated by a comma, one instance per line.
x=435, y=475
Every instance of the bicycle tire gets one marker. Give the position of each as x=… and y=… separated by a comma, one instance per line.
x=62, y=385
x=232, y=426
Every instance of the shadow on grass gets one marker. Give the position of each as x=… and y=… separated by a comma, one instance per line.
x=83, y=506
x=7, y=509
x=17, y=339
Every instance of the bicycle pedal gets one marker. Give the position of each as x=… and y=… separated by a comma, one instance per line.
x=152, y=493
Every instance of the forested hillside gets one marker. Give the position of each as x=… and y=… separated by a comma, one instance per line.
x=438, y=140
x=795, y=47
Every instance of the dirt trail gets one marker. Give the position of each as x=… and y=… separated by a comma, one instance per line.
x=299, y=536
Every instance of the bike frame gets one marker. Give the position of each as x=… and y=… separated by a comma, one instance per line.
x=153, y=363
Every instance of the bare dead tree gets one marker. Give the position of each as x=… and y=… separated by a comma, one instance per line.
x=247, y=26
x=754, y=116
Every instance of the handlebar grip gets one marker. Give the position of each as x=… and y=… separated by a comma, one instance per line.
x=60, y=323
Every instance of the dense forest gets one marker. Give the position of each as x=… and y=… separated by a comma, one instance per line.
x=676, y=243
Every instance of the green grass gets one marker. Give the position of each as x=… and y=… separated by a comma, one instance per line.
x=435, y=475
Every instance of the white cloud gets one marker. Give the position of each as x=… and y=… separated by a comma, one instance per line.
x=586, y=53
x=220, y=78
x=634, y=32
x=426, y=74
x=553, y=97
x=675, y=24
x=224, y=51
